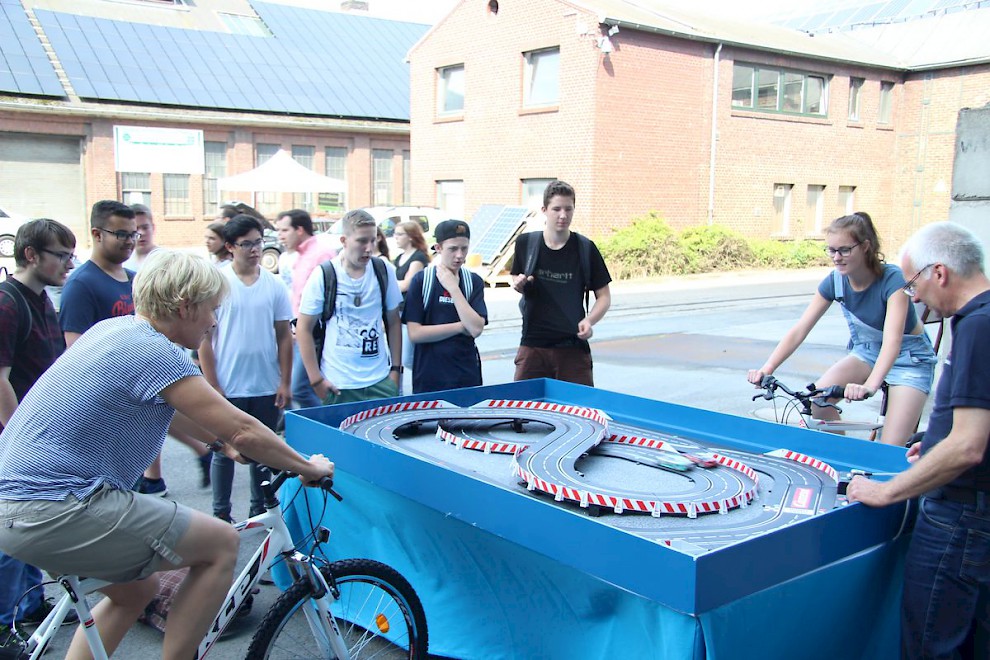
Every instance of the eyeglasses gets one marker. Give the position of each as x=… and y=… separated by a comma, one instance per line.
x=63, y=257
x=251, y=245
x=123, y=235
x=911, y=288
x=843, y=251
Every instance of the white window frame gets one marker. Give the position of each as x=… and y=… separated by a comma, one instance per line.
x=450, y=90
x=176, y=195
x=855, y=97
x=541, y=67
x=885, y=114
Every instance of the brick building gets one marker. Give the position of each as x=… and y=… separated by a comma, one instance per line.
x=247, y=78
x=642, y=107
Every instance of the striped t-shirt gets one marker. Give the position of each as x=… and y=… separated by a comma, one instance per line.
x=96, y=416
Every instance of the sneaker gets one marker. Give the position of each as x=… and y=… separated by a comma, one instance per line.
x=204, y=468
x=38, y=614
x=226, y=517
x=12, y=643
x=152, y=487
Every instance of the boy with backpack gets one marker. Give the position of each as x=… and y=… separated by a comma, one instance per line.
x=554, y=271
x=444, y=313
x=353, y=302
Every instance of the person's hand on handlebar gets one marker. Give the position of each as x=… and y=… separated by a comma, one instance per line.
x=857, y=392
x=320, y=466
x=755, y=376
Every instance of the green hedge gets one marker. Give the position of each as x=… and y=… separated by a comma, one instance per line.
x=649, y=247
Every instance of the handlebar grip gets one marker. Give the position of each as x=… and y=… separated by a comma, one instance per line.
x=326, y=483
x=833, y=392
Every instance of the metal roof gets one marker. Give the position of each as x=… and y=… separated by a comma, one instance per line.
x=316, y=63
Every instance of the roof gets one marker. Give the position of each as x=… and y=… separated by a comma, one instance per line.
x=28, y=69
x=315, y=62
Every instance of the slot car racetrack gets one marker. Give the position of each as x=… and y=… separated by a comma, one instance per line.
x=569, y=453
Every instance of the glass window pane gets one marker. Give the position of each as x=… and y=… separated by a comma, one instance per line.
x=176, y=189
x=742, y=86
x=135, y=188
x=304, y=155
x=267, y=201
x=855, y=85
x=886, y=102
x=215, y=154
x=543, y=70
x=450, y=198
x=452, y=89
x=766, y=98
x=381, y=177
x=814, y=95
x=793, y=92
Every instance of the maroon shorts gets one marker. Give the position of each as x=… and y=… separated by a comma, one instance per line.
x=571, y=364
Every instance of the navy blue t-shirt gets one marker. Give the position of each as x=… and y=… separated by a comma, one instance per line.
x=453, y=362
x=965, y=383
x=90, y=296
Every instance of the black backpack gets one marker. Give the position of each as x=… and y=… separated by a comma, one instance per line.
x=330, y=299
x=533, y=252
x=24, y=322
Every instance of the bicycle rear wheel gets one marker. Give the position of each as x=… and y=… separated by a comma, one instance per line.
x=378, y=613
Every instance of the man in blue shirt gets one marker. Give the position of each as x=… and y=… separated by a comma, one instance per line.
x=947, y=570
x=101, y=287
x=445, y=312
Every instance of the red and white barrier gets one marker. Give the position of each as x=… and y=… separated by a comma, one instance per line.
x=392, y=408
x=810, y=461
x=488, y=447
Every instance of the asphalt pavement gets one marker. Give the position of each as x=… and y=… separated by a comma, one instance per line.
x=685, y=340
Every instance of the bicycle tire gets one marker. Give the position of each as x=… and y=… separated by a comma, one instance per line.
x=285, y=633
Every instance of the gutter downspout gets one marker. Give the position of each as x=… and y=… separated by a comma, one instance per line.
x=714, y=137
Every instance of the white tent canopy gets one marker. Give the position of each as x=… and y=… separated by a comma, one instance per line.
x=281, y=173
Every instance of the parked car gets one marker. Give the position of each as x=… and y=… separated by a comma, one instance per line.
x=388, y=217
x=271, y=251
x=9, y=223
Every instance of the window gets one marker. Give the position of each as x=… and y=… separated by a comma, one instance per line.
x=782, y=208
x=135, y=188
x=847, y=199
x=381, y=177
x=816, y=207
x=216, y=168
x=886, y=102
x=450, y=198
x=532, y=192
x=267, y=201
x=304, y=155
x=541, y=81
x=779, y=90
x=406, y=178
x=251, y=26
x=450, y=90
x=335, y=160
x=176, y=188
x=855, y=86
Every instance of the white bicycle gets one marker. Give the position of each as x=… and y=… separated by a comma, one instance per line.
x=796, y=407
x=355, y=608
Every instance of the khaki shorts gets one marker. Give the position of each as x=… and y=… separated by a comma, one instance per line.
x=113, y=535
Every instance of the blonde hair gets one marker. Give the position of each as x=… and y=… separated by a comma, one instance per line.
x=170, y=277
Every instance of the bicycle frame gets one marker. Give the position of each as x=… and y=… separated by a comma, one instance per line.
x=277, y=543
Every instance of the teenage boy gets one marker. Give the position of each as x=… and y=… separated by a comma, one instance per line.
x=101, y=287
x=145, y=244
x=247, y=356
x=445, y=312
x=30, y=341
x=357, y=363
x=554, y=285
x=295, y=232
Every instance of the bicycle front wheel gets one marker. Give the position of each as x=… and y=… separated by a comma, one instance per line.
x=378, y=613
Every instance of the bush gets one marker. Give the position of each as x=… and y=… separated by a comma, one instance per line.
x=648, y=247
x=713, y=247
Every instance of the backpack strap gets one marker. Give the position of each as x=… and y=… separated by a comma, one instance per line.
x=24, y=322
x=584, y=254
x=532, y=252
x=429, y=277
x=381, y=274
x=329, y=290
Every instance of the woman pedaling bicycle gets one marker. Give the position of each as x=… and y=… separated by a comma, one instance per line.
x=90, y=426
x=887, y=342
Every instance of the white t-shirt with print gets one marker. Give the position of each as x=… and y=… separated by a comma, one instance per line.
x=244, y=340
x=355, y=352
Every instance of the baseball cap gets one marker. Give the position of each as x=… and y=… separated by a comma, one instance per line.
x=451, y=229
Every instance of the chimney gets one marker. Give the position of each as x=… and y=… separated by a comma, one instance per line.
x=354, y=6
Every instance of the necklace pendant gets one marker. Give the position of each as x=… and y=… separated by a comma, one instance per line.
x=357, y=300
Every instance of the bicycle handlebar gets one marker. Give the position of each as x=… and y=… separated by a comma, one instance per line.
x=326, y=483
x=816, y=395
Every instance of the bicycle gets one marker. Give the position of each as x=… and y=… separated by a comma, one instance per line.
x=800, y=402
x=353, y=608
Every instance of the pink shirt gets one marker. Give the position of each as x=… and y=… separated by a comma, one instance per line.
x=312, y=252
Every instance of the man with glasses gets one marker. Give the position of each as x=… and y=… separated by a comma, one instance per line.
x=947, y=571
x=247, y=356
x=101, y=287
x=30, y=341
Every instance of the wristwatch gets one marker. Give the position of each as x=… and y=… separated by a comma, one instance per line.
x=397, y=368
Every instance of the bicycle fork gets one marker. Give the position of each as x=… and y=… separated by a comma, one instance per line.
x=321, y=621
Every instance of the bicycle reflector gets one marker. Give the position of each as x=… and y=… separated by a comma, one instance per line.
x=382, y=622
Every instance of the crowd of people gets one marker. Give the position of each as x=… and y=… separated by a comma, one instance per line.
x=212, y=351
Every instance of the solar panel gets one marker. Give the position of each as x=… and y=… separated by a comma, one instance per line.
x=483, y=218
x=24, y=65
x=490, y=244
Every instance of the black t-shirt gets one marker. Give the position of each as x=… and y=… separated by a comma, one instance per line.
x=554, y=301
x=401, y=270
x=965, y=383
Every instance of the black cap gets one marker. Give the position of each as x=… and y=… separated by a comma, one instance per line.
x=451, y=229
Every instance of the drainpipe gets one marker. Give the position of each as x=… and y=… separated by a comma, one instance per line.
x=714, y=138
